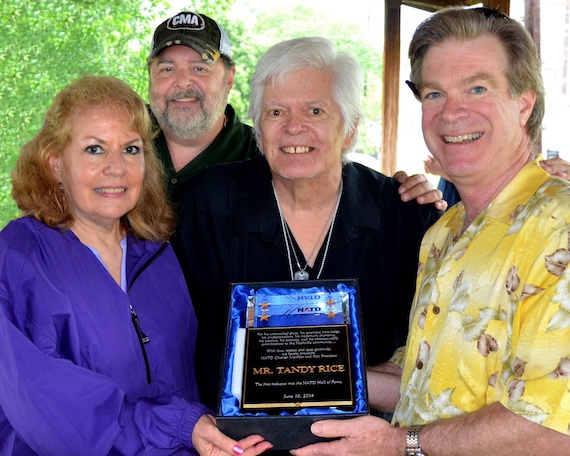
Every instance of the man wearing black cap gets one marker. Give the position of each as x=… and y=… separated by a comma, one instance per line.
x=191, y=73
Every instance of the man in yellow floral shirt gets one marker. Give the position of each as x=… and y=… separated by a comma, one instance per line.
x=486, y=368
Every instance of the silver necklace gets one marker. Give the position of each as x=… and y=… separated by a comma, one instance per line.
x=301, y=273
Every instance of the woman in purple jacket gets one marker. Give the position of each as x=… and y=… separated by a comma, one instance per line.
x=97, y=329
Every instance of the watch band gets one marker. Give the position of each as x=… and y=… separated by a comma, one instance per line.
x=413, y=442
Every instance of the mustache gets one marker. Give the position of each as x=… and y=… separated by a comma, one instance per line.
x=189, y=93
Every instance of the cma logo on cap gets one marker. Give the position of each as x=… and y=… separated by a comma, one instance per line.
x=186, y=21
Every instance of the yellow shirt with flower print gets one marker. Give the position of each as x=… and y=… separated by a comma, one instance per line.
x=490, y=320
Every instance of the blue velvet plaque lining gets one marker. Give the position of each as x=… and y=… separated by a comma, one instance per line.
x=229, y=405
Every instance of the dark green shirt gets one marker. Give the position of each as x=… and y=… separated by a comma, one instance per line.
x=235, y=142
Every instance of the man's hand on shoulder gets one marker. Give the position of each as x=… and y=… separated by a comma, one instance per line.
x=419, y=188
x=557, y=167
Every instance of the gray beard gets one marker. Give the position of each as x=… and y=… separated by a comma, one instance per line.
x=189, y=124
x=185, y=127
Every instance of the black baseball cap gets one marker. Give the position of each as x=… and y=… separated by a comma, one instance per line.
x=194, y=30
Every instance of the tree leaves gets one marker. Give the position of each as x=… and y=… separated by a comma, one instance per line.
x=44, y=47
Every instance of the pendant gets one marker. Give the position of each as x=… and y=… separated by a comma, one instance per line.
x=301, y=275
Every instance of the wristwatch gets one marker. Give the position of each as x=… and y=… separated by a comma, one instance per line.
x=413, y=442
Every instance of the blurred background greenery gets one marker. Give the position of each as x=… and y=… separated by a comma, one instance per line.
x=45, y=46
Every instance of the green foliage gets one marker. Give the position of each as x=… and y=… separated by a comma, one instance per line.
x=44, y=47
x=259, y=29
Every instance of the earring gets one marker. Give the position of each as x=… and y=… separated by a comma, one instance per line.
x=60, y=186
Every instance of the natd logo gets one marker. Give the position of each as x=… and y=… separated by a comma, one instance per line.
x=186, y=21
x=302, y=310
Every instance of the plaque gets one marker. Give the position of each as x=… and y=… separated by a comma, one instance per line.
x=296, y=367
x=294, y=355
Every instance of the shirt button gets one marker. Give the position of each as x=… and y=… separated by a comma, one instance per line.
x=436, y=309
x=174, y=180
